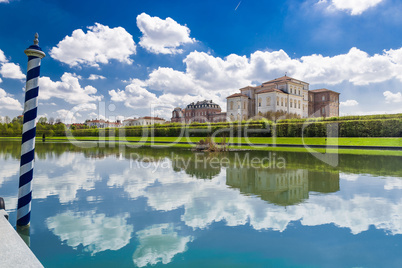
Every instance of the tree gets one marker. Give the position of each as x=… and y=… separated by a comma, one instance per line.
x=51, y=120
x=42, y=120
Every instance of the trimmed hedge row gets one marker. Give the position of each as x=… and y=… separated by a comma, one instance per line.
x=350, y=128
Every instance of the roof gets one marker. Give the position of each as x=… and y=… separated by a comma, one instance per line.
x=237, y=95
x=271, y=90
x=152, y=118
x=323, y=90
x=282, y=79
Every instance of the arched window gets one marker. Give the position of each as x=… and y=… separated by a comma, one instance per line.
x=281, y=101
x=295, y=104
x=277, y=101
x=268, y=100
x=259, y=102
x=299, y=104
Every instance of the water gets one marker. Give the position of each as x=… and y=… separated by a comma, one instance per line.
x=101, y=207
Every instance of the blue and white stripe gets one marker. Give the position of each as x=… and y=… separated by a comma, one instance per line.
x=35, y=54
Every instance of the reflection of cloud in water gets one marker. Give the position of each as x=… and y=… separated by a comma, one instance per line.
x=159, y=243
x=95, y=232
x=209, y=201
x=64, y=177
x=8, y=170
x=348, y=177
x=392, y=183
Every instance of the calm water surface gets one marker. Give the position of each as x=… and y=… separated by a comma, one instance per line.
x=101, y=207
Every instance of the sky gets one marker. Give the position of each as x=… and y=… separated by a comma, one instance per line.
x=124, y=59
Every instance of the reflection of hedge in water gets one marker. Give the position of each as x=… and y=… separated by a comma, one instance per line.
x=359, y=164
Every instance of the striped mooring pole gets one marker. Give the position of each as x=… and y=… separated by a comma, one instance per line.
x=35, y=54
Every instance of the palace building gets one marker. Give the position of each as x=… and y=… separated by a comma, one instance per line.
x=201, y=111
x=282, y=94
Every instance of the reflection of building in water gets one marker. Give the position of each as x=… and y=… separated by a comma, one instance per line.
x=281, y=186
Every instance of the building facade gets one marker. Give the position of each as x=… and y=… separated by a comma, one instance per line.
x=103, y=124
x=284, y=94
x=201, y=111
x=143, y=121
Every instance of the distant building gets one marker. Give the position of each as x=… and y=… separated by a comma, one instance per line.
x=103, y=124
x=143, y=121
x=201, y=111
x=284, y=94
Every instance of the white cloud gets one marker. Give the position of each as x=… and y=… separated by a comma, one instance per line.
x=95, y=232
x=2, y=57
x=162, y=36
x=392, y=97
x=4, y=1
x=96, y=77
x=68, y=89
x=98, y=45
x=7, y=102
x=11, y=70
x=159, y=243
x=355, y=7
x=349, y=103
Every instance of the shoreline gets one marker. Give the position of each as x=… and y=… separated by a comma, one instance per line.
x=162, y=142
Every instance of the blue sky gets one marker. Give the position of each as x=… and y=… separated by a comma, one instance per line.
x=135, y=57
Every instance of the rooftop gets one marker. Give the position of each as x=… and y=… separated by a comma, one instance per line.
x=237, y=95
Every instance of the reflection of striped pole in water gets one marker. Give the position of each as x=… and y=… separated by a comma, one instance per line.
x=35, y=54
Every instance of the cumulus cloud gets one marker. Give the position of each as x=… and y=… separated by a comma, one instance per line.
x=349, y=103
x=159, y=243
x=162, y=36
x=392, y=97
x=2, y=57
x=7, y=102
x=96, y=77
x=95, y=232
x=209, y=77
x=9, y=69
x=354, y=7
x=68, y=89
x=98, y=45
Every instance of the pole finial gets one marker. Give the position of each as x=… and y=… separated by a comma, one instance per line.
x=36, y=41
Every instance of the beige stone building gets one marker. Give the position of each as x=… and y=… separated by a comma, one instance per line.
x=282, y=94
x=143, y=121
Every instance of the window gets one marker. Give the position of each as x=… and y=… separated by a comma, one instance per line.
x=238, y=104
x=295, y=104
x=290, y=101
x=286, y=102
x=231, y=105
x=244, y=105
x=259, y=102
x=299, y=104
x=268, y=100
x=277, y=101
x=281, y=101
x=299, y=91
x=323, y=98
